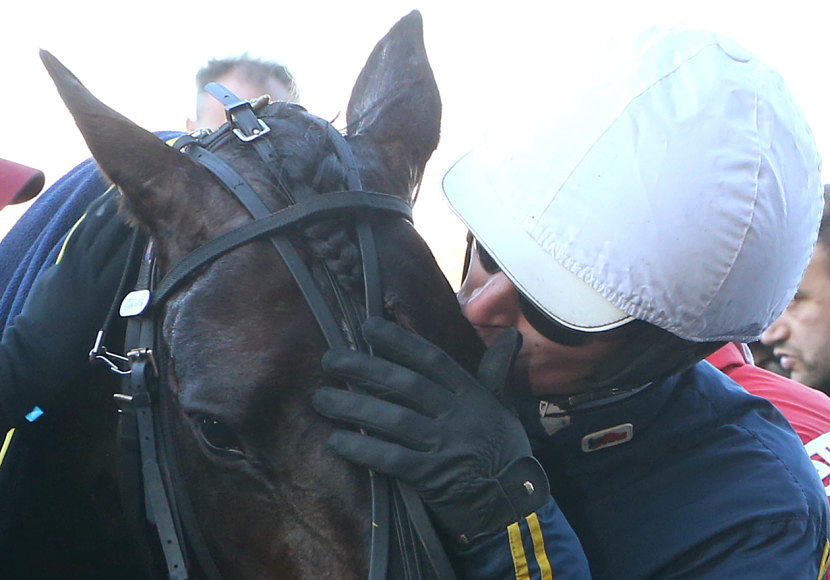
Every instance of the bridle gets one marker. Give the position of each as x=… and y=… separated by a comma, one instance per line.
x=151, y=482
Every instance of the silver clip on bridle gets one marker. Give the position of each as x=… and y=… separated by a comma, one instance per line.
x=134, y=304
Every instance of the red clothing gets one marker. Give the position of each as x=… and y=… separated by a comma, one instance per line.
x=807, y=410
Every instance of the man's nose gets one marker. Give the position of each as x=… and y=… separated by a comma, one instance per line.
x=491, y=302
x=779, y=331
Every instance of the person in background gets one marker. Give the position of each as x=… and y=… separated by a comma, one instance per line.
x=800, y=338
x=248, y=78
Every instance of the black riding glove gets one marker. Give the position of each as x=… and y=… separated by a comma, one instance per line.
x=430, y=424
x=47, y=347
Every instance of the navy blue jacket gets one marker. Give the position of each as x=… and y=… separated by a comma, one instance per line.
x=713, y=484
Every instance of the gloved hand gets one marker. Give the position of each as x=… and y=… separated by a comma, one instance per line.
x=434, y=426
x=47, y=347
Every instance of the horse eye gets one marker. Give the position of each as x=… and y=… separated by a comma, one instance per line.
x=219, y=438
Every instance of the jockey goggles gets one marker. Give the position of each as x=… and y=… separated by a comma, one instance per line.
x=541, y=322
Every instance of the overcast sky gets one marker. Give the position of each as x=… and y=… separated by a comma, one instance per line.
x=140, y=58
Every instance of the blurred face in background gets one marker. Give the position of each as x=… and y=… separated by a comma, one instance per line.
x=800, y=338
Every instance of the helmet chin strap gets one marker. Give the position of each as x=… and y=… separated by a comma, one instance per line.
x=663, y=355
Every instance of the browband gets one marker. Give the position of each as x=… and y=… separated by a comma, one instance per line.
x=318, y=206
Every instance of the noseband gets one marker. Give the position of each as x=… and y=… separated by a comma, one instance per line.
x=151, y=465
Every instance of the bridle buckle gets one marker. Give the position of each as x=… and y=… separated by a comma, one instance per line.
x=139, y=355
x=240, y=113
x=255, y=133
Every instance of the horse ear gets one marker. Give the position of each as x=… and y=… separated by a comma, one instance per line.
x=146, y=170
x=395, y=103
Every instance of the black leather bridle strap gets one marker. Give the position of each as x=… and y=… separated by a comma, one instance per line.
x=166, y=503
x=425, y=531
x=229, y=178
x=382, y=488
x=180, y=499
x=241, y=116
x=320, y=206
x=137, y=402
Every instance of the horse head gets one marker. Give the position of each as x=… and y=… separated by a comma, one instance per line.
x=241, y=350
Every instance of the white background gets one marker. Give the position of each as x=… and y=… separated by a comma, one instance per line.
x=141, y=58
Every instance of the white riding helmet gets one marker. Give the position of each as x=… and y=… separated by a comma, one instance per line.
x=683, y=190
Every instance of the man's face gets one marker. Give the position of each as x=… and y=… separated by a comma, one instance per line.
x=801, y=336
x=490, y=302
x=211, y=113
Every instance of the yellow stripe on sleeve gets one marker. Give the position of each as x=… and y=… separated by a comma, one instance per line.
x=517, y=550
x=825, y=561
x=539, y=547
x=66, y=240
x=6, y=442
x=75, y=227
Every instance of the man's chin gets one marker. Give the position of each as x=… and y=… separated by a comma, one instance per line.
x=809, y=379
x=819, y=383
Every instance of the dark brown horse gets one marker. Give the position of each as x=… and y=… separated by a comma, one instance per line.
x=241, y=348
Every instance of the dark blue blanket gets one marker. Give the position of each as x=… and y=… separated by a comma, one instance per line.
x=35, y=240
